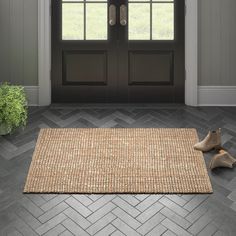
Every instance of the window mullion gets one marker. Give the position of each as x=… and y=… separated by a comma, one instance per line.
x=84, y=19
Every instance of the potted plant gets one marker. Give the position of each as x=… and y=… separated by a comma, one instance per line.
x=13, y=108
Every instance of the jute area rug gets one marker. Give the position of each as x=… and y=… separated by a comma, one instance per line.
x=117, y=160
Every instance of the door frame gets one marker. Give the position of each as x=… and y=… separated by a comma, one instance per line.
x=191, y=52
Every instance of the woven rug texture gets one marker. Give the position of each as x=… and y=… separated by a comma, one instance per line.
x=117, y=160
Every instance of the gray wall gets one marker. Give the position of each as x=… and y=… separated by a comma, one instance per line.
x=18, y=41
x=217, y=42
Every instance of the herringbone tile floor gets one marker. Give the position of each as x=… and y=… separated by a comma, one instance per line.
x=115, y=215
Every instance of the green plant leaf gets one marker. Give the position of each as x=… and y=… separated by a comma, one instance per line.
x=13, y=105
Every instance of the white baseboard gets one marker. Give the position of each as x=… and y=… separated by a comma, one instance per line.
x=32, y=93
x=217, y=95
x=207, y=95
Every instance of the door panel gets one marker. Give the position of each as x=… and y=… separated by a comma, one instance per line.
x=158, y=70
x=137, y=55
x=85, y=68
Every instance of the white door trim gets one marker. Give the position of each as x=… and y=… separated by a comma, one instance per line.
x=44, y=52
x=191, y=53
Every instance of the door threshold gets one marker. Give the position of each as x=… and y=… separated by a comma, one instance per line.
x=116, y=105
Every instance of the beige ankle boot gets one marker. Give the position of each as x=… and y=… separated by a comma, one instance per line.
x=223, y=159
x=212, y=140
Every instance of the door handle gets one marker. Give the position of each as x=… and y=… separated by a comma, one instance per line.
x=112, y=15
x=123, y=15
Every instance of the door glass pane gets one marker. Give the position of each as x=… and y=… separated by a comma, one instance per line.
x=84, y=20
x=72, y=21
x=163, y=21
x=96, y=21
x=151, y=20
x=139, y=21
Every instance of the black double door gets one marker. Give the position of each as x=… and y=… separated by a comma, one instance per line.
x=118, y=51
